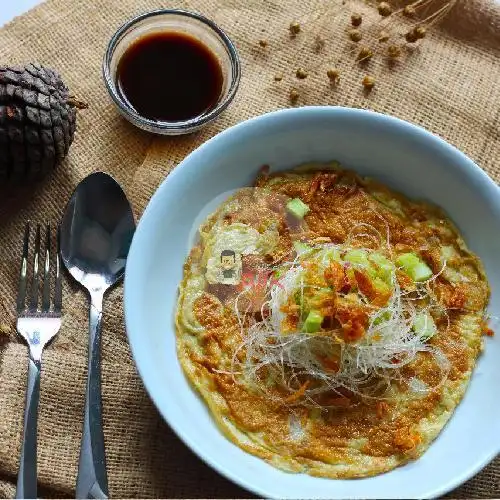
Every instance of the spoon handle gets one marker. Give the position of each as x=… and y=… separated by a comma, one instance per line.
x=92, y=480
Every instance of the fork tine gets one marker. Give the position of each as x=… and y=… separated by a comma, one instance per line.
x=46, y=274
x=21, y=294
x=58, y=286
x=34, y=280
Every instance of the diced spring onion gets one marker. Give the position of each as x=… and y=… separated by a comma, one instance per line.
x=424, y=326
x=384, y=266
x=313, y=321
x=297, y=208
x=301, y=247
x=357, y=257
x=415, y=267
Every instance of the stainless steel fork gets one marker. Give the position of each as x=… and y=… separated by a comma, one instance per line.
x=37, y=326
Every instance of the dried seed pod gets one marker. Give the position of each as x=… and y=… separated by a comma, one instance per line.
x=383, y=37
x=293, y=96
x=415, y=34
x=319, y=43
x=294, y=28
x=420, y=31
x=384, y=9
x=355, y=35
x=411, y=36
x=333, y=75
x=368, y=82
x=263, y=43
x=394, y=51
x=4, y=333
x=409, y=11
x=365, y=53
x=301, y=73
x=356, y=19
x=278, y=77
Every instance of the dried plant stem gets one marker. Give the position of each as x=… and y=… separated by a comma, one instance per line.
x=418, y=5
x=426, y=21
x=437, y=16
x=317, y=23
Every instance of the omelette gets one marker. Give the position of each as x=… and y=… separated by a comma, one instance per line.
x=330, y=324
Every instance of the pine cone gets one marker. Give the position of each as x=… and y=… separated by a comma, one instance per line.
x=37, y=122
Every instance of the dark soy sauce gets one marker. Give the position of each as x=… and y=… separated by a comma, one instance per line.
x=169, y=77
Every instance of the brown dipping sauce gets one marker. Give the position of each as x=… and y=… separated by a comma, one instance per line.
x=169, y=76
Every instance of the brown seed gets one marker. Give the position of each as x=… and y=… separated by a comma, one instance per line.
x=319, y=43
x=301, y=73
x=333, y=74
x=411, y=36
x=409, y=11
x=263, y=43
x=4, y=335
x=278, y=78
x=294, y=28
x=356, y=19
x=368, y=82
x=420, y=31
x=364, y=54
x=415, y=34
x=394, y=51
x=383, y=37
x=293, y=96
x=355, y=35
x=384, y=9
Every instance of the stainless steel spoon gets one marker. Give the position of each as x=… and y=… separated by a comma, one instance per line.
x=96, y=232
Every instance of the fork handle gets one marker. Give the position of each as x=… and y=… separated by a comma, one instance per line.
x=26, y=479
x=92, y=480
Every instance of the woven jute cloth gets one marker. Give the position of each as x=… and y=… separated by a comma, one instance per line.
x=450, y=85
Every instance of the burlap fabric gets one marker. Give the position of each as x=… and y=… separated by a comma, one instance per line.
x=450, y=86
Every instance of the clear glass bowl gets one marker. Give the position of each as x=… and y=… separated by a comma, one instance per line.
x=195, y=25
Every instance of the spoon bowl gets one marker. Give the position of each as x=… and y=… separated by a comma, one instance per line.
x=96, y=232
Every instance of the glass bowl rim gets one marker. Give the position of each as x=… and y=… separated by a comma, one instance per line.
x=197, y=121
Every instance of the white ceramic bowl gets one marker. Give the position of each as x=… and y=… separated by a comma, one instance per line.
x=405, y=157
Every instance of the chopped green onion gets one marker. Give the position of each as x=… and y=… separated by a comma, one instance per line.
x=385, y=316
x=381, y=285
x=424, y=326
x=384, y=266
x=407, y=260
x=359, y=257
x=415, y=267
x=313, y=321
x=332, y=254
x=297, y=208
x=421, y=272
x=301, y=247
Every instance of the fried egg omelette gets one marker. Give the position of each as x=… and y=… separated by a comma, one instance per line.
x=330, y=324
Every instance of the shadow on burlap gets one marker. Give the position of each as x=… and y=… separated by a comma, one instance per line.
x=450, y=86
